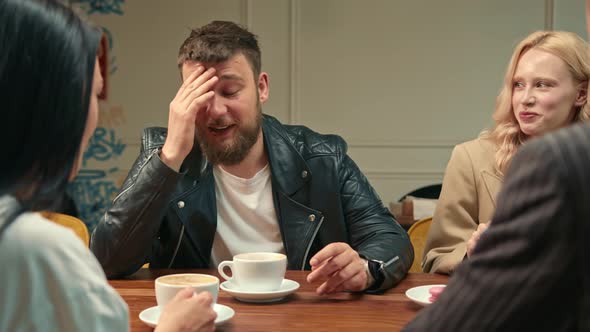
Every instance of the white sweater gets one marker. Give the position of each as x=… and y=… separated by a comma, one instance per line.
x=50, y=281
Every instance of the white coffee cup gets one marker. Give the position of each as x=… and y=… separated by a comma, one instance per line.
x=167, y=286
x=256, y=272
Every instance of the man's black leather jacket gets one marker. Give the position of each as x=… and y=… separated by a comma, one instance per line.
x=169, y=219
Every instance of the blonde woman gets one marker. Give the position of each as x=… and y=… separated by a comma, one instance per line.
x=545, y=88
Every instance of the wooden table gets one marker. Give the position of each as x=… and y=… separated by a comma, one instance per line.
x=301, y=311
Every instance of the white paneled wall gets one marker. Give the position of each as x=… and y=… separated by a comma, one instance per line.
x=569, y=15
x=401, y=81
x=404, y=81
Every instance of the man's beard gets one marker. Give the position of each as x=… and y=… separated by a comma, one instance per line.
x=234, y=152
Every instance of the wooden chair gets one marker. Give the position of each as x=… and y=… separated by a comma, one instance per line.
x=418, y=233
x=73, y=223
x=431, y=191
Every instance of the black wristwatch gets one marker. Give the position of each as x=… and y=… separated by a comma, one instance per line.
x=376, y=270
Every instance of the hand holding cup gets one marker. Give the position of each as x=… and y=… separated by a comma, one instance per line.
x=188, y=311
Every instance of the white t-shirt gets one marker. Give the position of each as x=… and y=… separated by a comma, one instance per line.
x=50, y=281
x=246, y=217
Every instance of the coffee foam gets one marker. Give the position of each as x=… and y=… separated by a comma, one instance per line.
x=186, y=280
x=260, y=256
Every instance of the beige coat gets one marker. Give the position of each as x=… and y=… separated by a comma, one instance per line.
x=468, y=197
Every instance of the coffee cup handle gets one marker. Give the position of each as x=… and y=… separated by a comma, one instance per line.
x=223, y=264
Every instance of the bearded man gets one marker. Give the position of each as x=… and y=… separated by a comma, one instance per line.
x=225, y=179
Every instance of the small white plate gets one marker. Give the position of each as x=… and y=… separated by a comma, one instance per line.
x=287, y=287
x=151, y=315
x=421, y=295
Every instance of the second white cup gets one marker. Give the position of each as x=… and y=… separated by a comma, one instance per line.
x=256, y=272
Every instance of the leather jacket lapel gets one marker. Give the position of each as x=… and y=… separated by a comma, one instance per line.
x=290, y=174
x=197, y=210
x=289, y=169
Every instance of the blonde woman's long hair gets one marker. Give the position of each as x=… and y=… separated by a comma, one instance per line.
x=506, y=134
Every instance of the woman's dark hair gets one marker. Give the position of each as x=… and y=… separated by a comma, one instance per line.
x=47, y=57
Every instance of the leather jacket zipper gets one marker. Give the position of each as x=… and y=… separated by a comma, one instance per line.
x=177, y=246
x=310, y=243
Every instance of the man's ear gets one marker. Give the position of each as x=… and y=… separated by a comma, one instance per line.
x=263, y=88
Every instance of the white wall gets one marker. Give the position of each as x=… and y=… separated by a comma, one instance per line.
x=569, y=15
x=401, y=81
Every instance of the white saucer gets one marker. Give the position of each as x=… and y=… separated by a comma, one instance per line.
x=150, y=315
x=287, y=287
x=420, y=294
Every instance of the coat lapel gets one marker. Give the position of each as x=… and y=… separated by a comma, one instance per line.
x=493, y=183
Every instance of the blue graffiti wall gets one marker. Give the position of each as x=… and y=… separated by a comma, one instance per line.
x=102, y=6
x=97, y=183
x=94, y=189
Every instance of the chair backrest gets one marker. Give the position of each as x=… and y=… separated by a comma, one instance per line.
x=432, y=191
x=418, y=233
x=73, y=223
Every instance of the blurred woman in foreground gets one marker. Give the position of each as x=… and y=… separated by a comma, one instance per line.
x=49, y=83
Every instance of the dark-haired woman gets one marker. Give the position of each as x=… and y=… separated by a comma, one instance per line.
x=49, y=82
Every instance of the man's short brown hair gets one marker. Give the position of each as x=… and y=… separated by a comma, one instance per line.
x=217, y=42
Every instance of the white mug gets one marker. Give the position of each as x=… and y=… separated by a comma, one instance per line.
x=167, y=286
x=256, y=272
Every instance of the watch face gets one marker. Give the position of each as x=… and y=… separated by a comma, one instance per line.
x=376, y=269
